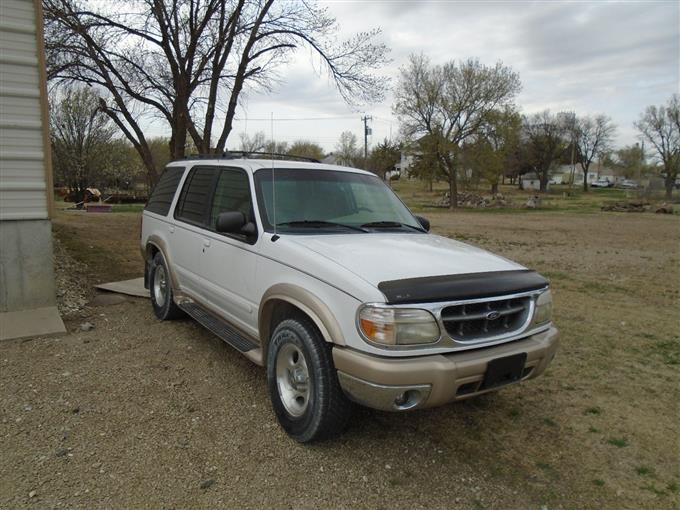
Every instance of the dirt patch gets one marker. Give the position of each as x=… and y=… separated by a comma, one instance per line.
x=137, y=413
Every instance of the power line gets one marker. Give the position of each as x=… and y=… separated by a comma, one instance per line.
x=295, y=119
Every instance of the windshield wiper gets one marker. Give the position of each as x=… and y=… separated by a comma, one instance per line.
x=318, y=224
x=390, y=224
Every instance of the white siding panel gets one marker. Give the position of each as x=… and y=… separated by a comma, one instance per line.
x=16, y=43
x=23, y=193
x=19, y=76
x=17, y=11
x=22, y=204
x=18, y=169
x=13, y=107
x=18, y=138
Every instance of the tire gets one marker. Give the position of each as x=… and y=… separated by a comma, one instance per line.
x=160, y=290
x=308, y=411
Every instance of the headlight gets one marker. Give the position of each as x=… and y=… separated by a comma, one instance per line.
x=543, y=310
x=397, y=326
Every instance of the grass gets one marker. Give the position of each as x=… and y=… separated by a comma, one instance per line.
x=128, y=208
x=619, y=442
x=560, y=198
x=644, y=471
x=668, y=351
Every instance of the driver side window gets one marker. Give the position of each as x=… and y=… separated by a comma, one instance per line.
x=232, y=193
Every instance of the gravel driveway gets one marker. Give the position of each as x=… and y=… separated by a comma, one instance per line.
x=137, y=413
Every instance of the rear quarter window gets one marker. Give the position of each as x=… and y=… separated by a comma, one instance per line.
x=164, y=191
x=194, y=202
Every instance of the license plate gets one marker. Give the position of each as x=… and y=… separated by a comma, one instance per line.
x=502, y=371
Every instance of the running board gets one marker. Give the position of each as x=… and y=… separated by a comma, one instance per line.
x=218, y=326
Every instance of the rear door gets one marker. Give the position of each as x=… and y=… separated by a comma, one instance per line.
x=191, y=216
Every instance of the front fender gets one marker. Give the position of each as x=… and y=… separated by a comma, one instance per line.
x=309, y=303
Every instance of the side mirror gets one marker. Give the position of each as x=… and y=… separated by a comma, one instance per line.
x=230, y=222
x=424, y=222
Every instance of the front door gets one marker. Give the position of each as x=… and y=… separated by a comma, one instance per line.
x=228, y=261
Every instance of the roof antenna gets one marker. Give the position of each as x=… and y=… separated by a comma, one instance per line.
x=275, y=237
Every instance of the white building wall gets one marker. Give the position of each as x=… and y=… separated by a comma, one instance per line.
x=23, y=179
x=27, y=287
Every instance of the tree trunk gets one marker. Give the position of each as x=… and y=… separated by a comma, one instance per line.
x=669, y=182
x=544, y=183
x=453, y=190
x=585, y=181
x=494, y=188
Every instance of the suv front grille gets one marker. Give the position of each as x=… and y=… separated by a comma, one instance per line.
x=478, y=321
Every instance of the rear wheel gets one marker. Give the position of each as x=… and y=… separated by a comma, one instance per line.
x=160, y=290
x=303, y=385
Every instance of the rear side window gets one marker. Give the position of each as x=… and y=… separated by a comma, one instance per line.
x=195, y=198
x=164, y=191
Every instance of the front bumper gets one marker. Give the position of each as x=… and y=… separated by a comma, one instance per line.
x=398, y=384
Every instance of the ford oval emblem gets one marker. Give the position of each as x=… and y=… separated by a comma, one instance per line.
x=493, y=315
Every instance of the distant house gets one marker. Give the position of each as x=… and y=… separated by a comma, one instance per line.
x=530, y=181
x=331, y=159
x=406, y=162
x=563, y=174
x=27, y=284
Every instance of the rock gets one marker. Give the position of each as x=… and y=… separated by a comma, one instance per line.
x=206, y=484
x=108, y=299
x=533, y=202
x=32, y=494
x=626, y=207
x=664, y=209
x=86, y=326
x=61, y=452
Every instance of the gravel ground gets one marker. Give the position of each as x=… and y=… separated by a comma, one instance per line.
x=137, y=413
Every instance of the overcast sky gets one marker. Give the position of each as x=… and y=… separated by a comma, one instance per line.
x=590, y=57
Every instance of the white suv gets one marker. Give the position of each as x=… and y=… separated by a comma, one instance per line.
x=322, y=275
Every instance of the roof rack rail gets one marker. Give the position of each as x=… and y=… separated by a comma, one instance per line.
x=252, y=155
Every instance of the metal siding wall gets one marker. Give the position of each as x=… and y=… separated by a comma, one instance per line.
x=23, y=189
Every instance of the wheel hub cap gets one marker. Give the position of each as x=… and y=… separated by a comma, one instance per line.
x=292, y=379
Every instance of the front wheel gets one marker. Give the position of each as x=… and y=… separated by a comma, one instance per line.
x=303, y=385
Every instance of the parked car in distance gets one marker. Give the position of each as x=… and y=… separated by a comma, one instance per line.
x=629, y=184
x=323, y=276
x=602, y=183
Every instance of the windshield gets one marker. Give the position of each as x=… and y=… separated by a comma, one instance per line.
x=329, y=200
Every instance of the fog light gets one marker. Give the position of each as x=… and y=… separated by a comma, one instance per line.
x=401, y=400
x=408, y=400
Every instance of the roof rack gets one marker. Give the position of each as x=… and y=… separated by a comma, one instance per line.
x=252, y=155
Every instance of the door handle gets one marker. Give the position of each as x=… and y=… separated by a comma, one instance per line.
x=172, y=229
x=206, y=243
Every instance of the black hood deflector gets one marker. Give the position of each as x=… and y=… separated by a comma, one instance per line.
x=457, y=287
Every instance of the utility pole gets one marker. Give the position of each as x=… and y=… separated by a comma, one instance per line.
x=367, y=131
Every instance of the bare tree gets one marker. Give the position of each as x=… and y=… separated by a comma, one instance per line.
x=187, y=62
x=256, y=143
x=592, y=138
x=81, y=139
x=347, y=150
x=660, y=126
x=545, y=136
x=450, y=102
